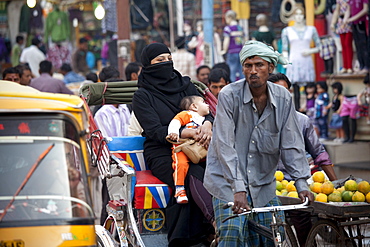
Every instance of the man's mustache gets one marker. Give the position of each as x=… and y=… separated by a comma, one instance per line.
x=253, y=77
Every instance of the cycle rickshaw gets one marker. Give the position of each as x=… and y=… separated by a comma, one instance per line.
x=136, y=213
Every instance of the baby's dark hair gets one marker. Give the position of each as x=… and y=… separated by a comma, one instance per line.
x=323, y=85
x=187, y=101
x=337, y=85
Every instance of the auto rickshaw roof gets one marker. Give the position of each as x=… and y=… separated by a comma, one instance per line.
x=16, y=96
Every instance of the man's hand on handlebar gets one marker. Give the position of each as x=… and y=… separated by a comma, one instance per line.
x=306, y=193
x=240, y=203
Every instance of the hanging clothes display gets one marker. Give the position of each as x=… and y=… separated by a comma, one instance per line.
x=109, y=22
x=57, y=26
x=58, y=54
x=141, y=14
x=24, y=19
x=30, y=18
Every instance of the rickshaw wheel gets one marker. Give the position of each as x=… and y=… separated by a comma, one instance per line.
x=327, y=233
x=104, y=238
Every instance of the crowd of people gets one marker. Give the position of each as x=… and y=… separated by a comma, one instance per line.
x=258, y=121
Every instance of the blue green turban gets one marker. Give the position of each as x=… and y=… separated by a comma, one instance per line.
x=256, y=48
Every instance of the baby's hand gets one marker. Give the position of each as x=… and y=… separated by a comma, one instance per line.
x=173, y=137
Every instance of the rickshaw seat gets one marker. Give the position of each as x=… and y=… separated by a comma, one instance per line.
x=149, y=191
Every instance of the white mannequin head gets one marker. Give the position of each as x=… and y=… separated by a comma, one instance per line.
x=230, y=16
x=261, y=20
x=298, y=16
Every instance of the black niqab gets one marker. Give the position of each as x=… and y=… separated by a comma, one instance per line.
x=161, y=79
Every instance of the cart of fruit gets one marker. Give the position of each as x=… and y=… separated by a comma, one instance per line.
x=340, y=212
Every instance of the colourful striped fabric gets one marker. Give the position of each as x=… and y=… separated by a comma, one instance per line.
x=150, y=192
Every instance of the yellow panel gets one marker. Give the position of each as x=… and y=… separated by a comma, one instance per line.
x=242, y=8
x=148, y=199
x=51, y=235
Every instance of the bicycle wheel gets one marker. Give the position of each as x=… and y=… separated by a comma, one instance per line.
x=290, y=239
x=326, y=233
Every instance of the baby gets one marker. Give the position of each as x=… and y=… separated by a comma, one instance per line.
x=193, y=115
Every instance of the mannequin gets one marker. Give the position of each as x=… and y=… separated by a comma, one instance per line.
x=358, y=13
x=233, y=43
x=263, y=33
x=189, y=36
x=296, y=41
x=339, y=25
x=198, y=43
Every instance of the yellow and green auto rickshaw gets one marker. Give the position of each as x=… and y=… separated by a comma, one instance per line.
x=44, y=165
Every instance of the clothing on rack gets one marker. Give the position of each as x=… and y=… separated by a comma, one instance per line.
x=58, y=54
x=57, y=26
x=30, y=18
x=109, y=22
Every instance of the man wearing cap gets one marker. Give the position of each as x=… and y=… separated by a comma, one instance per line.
x=255, y=124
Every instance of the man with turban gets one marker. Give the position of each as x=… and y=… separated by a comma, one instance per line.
x=255, y=124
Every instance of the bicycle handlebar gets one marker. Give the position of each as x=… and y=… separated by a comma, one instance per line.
x=266, y=209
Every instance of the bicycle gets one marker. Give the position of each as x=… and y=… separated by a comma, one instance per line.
x=272, y=233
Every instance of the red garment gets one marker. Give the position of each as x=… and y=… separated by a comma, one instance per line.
x=347, y=50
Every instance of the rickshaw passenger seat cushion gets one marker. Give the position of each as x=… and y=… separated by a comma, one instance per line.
x=129, y=148
x=150, y=192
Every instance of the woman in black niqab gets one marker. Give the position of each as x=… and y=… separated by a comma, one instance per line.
x=155, y=103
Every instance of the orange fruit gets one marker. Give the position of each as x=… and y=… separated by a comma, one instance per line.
x=290, y=187
x=363, y=187
x=279, y=175
x=347, y=196
x=335, y=197
x=350, y=185
x=327, y=188
x=321, y=197
x=358, y=197
x=341, y=189
x=293, y=194
x=368, y=197
x=318, y=177
x=284, y=192
x=316, y=187
x=279, y=186
x=284, y=183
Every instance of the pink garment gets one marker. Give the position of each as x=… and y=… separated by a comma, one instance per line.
x=356, y=7
x=350, y=107
x=199, y=53
x=58, y=55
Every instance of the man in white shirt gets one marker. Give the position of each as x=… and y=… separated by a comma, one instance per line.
x=33, y=56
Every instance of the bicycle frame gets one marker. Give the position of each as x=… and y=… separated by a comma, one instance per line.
x=277, y=239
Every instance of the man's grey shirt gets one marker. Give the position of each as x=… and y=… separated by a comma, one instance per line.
x=245, y=148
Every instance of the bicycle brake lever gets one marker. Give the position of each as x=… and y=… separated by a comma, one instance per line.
x=227, y=205
x=234, y=216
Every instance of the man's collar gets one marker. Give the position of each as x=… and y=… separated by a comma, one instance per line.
x=248, y=95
